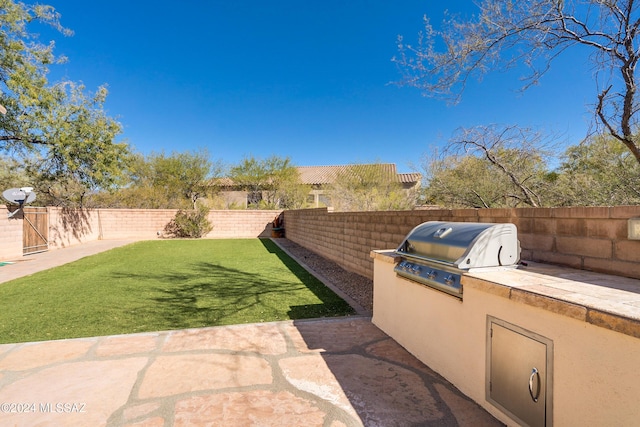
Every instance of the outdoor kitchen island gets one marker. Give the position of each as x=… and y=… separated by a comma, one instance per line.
x=538, y=344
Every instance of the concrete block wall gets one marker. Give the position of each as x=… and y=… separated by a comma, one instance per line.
x=68, y=227
x=133, y=223
x=594, y=238
x=348, y=237
x=241, y=223
x=74, y=226
x=589, y=238
x=10, y=235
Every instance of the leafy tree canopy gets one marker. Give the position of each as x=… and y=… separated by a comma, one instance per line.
x=177, y=180
x=272, y=183
x=464, y=181
x=598, y=172
x=59, y=133
x=492, y=166
x=370, y=187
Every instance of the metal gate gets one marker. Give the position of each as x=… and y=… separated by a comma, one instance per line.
x=35, y=230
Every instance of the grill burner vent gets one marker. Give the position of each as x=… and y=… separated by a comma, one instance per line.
x=437, y=253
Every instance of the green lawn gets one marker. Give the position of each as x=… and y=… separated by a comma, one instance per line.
x=162, y=285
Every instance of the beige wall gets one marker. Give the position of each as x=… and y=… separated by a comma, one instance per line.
x=587, y=238
x=10, y=235
x=74, y=226
x=591, y=238
x=69, y=227
x=241, y=224
x=596, y=378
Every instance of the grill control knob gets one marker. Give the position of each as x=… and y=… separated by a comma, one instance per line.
x=449, y=280
x=432, y=274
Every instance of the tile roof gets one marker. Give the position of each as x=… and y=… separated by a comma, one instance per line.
x=317, y=175
x=408, y=178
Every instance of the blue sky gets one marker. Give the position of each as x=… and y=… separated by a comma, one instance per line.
x=309, y=80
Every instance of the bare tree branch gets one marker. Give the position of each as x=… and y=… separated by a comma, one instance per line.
x=505, y=34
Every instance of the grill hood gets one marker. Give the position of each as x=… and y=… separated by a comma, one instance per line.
x=463, y=245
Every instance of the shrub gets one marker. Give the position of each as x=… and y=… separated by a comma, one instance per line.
x=192, y=223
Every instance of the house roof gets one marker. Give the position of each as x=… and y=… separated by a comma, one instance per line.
x=409, y=178
x=318, y=175
x=222, y=181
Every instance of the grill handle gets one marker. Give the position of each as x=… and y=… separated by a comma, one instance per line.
x=442, y=232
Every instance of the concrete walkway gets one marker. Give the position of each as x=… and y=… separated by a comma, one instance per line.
x=325, y=372
x=30, y=264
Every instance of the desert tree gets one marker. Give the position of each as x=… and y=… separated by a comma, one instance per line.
x=159, y=180
x=491, y=166
x=59, y=132
x=598, y=172
x=271, y=183
x=462, y=181
x=510, y=33
x=370, y=187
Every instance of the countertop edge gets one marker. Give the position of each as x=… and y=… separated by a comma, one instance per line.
x=539, y=289
x=608, y=319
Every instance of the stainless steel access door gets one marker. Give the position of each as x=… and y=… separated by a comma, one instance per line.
x=519, y=377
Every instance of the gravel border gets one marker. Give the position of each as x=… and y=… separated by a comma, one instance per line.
x=354, y=288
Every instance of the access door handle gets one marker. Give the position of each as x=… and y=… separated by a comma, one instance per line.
x=534, y=374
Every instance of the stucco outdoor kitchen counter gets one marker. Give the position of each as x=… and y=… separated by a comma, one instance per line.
x=611, y=302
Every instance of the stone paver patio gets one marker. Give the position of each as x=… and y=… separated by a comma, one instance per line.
x=325, y=372
x=328, y=372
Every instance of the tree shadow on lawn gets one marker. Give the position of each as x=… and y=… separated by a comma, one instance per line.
x=319, y=289
x=219, y=295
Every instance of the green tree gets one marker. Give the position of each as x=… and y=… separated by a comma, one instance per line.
x=463, y=182
x=12, y=174
x=598, y=172
x=370, y=187
x=61, y=134
x=177, y=180
x=491, y=166
x=292, y=194
x=193, y=223
x=508, y=33
x=271, y=183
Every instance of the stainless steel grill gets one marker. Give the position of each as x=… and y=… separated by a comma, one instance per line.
x=437, y=253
